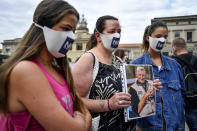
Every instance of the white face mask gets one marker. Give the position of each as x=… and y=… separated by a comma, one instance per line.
x=157, y=44
x=110, y=41
x=58, y=42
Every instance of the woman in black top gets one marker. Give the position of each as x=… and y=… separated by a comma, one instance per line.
x=103, y=95
x=106, y=98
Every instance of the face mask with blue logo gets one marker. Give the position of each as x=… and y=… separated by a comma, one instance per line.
x=110, y=41
x=58, y=42
x=157, y=44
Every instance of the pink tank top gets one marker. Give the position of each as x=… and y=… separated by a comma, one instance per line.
x=23, y=121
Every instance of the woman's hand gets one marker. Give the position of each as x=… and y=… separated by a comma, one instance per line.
x=120, y=100
x=157, y=84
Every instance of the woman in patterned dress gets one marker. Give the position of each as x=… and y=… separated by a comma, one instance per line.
x=105, y=92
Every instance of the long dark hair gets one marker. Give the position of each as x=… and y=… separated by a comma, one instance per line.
x=149, y=30
x=48, y=13
x=145, y=43
x=100, y=26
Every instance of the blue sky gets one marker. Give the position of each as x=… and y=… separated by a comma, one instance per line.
x=134, y=15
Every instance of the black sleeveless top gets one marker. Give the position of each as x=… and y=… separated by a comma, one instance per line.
x=106, y=84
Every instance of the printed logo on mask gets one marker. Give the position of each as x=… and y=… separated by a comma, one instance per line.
x=66, y=46
x=115, y=42
x=160, y=45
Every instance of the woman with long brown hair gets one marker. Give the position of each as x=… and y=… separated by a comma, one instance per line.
x=37, y=90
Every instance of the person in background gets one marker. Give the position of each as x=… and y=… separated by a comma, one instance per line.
x=170, y=99
x=120, y=54
x=188, y=63
x=145, y=92
x=37, y=91
x=3, y=58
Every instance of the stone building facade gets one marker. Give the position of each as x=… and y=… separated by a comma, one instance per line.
x=9, y=46
x=180, y=26
x=81, y=39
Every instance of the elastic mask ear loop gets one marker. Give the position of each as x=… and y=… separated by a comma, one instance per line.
x=97, y=31
x=37, y=25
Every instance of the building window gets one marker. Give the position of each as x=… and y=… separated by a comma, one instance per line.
x=7, y=50
x=189, y=36
x=79, y=46
x=176, y=34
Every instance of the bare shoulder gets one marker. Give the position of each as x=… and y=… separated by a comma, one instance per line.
x=26, y=72
x=85, y=63
x=82, y=73
x=24, y=67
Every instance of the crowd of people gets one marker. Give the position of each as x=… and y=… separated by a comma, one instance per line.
x=40, y=92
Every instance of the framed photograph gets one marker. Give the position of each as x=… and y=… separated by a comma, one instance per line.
x=137, y=80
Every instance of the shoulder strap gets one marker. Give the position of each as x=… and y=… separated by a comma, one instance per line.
x=5, y=124
x=28, y=122
x=93, y=57
x=113, y=56
x=95, y=71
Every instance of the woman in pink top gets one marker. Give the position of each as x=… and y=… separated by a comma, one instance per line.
x=37, y=90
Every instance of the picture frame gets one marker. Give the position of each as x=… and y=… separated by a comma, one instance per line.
x=137, y=80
